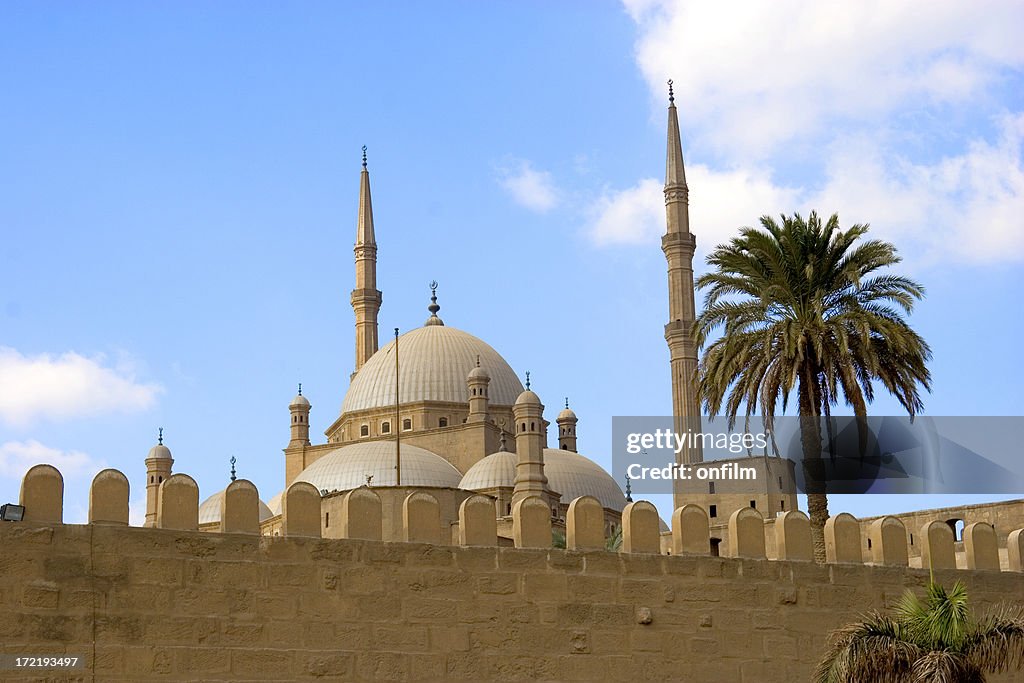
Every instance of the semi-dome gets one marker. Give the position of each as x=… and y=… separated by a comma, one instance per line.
x=348, y=467
x=209, y=509
x=434, y=362
x=570, y=474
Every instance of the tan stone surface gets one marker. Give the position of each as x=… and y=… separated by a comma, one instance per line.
x=690, y=531
x=178, y=503
x=793, y=537
x=888, y=539
x=746, y=534
x=842, y=539
x=189, y=606
x=1015, y=550
x=421, y=518
x=108, y=498
x=531, y=523
x=641, y=531
x=478, y=523
x=240, y=508
x=300, y=510
x=981, y=547
x=361, y=514
x=42, y=494
x=584, y=524
x=937, y=546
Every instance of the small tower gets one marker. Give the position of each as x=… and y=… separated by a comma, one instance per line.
x=477, y=382
x=528, y=413
x=566, y=422
x=366, y=298
x=158, y=468
x=299, y=409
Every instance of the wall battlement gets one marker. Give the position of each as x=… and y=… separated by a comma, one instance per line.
x=172, y=604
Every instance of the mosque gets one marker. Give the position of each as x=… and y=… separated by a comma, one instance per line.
x=440, y=410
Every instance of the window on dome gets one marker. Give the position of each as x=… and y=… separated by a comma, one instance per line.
x=364, y=430
x=385, y=427
x=443, y=422
x=406, y=425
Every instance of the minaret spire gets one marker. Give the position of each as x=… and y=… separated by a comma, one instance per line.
x=366, y=298
x=679, y=245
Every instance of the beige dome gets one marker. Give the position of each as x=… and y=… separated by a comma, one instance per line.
x=348, y=467
x=209, y=509
x=434, y=362
x=159, y=451
x=495, y=471
x=528, y=397
x=299, y=401
x=568, y=473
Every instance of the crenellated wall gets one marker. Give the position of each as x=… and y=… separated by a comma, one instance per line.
x=174, y=604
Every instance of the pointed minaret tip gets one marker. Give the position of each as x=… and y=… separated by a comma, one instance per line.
x=675, y=173
x=671, y=102
x=364, y=232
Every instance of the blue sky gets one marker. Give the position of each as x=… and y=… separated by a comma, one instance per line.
x=179, y=182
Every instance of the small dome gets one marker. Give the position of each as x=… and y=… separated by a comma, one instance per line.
x=209, y=509
x=478, y=373
x=347, y=467
x=159, y=451
x=528, y=398
x=299, y=400
x=565, y=415
x=495, y=471
x=570, y=474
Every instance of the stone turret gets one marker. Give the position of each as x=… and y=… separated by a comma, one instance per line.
x=158, y=468
x=528, y=413
x=477, y=382
x=299, y=409
x=566, y=422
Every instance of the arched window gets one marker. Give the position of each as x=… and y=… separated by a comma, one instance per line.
x=523, y=427
x=443, y=422
x=406, y=424
x=364, y=430
x=564, y=447
x=533, y=426
x=160, y=480
x=152, y=479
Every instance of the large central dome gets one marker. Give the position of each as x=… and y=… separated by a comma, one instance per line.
x=433, y=362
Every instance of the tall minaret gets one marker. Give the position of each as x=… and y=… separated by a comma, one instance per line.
x=679, y=245
x=366, y=298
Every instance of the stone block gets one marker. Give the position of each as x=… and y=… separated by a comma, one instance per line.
x=746, y=533
x=478, y=524
x=641, y=529
x=108, y=498
x=421, y=518
x=793, y=537
x=690, y=531
x=42, y=494
x=584, y=524
x=178, y=503
x=842, y=539
x=300, y=511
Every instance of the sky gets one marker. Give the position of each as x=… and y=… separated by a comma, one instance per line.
x=179, y=186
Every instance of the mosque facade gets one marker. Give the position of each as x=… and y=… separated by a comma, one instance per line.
x=439, y=409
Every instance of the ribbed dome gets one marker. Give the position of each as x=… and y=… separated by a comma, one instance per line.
x=209, y=509
x=494, y=471
x=433, y=364
x=275, y=503
x=568, y=473
x=348, y=467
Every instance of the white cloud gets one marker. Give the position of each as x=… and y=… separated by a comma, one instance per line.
x=751, y=76
x=529, y=187
x=963, y=208
x=720, y=202
x=66, y=386
x=16, y=457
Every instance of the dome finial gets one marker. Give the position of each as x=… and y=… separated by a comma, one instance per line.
x=527, y=380
x=501, y=441
x=567, y=403
x=478, y=360
x=300, y=388
x=629, y=491
x=160, y=436
x=233, y=468
x=433, y=307
x=671, y=100
x=364, y=156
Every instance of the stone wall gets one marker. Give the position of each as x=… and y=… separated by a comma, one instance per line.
x=158, y=604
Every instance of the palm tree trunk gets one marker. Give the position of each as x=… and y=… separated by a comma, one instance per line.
x=814, y=466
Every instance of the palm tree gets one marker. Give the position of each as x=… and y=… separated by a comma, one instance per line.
x=802, y=305
x=930, y=641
